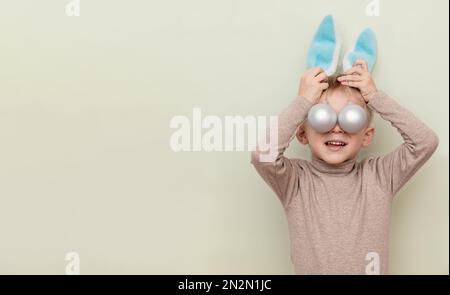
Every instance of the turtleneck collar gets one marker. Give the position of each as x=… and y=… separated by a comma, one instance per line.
x=341, y=168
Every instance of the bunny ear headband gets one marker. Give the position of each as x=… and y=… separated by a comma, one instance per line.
x=326, y=45
x=324, y=53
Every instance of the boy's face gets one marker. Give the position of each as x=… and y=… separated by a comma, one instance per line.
x=337, y=99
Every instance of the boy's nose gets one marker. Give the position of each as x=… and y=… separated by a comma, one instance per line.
x=337, y=128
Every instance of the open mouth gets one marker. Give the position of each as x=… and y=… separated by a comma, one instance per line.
x=335, y=145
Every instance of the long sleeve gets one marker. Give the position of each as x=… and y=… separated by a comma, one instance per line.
x=394, y=169
x=279, y=173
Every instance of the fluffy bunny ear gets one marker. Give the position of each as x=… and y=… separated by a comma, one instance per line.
x=324, y=49
x=364, y=48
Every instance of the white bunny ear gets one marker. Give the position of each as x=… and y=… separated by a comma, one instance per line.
x=365, y=48
x=324, y=49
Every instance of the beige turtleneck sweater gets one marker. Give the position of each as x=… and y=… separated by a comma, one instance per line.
x=338, y=215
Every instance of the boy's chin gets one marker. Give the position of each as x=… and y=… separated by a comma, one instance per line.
x=334, y=159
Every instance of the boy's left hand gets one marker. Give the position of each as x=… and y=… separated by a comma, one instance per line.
x=359, y=77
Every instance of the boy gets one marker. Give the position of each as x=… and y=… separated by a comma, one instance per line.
x=337, y=208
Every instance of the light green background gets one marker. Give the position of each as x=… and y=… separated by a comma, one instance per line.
x=85, y=105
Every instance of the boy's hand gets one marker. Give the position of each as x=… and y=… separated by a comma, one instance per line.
x=312, y=84
x=359, y=77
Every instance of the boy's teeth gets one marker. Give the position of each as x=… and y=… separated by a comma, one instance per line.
x=335, y=143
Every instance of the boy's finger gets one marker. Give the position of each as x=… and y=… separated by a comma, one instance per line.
x=354, y=70
x=316, y=71
x=321, y=77
x=350, y=83
x=362, y=63
x=323, y=85
x=350, y=78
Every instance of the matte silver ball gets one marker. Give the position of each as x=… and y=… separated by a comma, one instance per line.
x=352, y=118
x=322, y=117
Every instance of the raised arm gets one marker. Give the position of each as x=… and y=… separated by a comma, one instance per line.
x=278, y=172
x=394, y=169
x=419, y=143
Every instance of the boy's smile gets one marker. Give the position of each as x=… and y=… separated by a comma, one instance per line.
x=335, y=144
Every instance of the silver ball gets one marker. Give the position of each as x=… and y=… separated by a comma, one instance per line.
x=322, y=117
x=352, y=118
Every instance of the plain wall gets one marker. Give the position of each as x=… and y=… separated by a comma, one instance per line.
x=85, y=106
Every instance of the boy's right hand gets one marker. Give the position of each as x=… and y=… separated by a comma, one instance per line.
x=312, y=84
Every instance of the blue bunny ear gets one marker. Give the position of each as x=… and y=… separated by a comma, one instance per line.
x=364, y=48
x=324, y=49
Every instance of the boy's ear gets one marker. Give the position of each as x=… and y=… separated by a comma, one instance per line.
x=365, y=48
x=368, y=136
x=301, y=134
x=325, y=46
